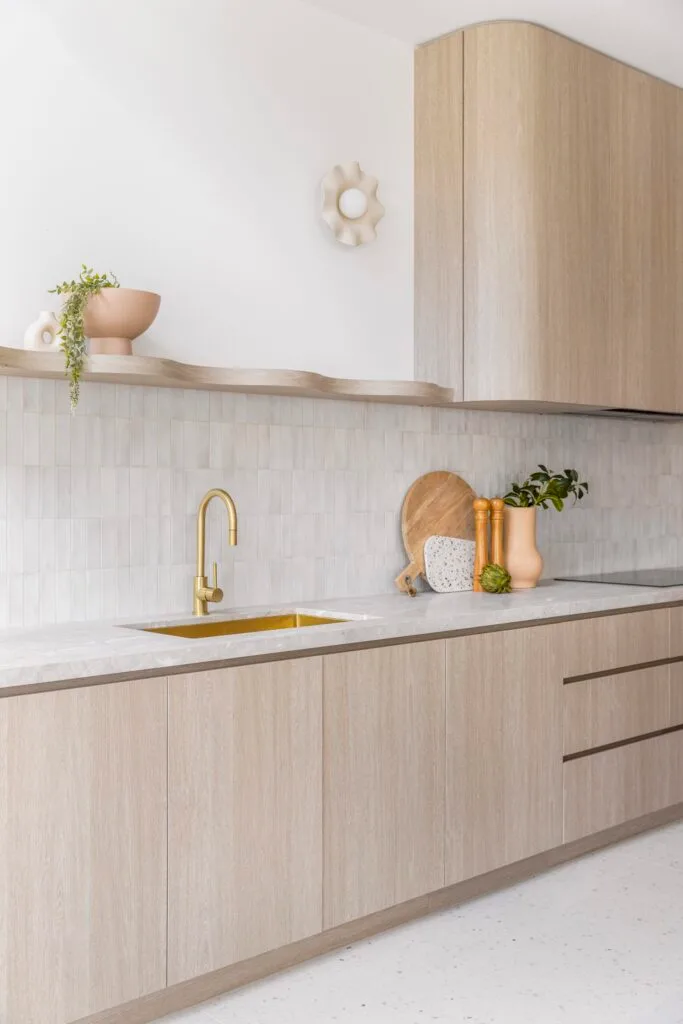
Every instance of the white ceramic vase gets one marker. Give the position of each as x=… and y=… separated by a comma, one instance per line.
x=42, y=333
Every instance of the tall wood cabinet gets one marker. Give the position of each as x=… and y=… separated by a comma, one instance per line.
x=569, y=175
x=245, y=813
x=82, y=850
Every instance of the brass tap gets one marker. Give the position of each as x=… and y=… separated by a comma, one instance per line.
x=203, y=594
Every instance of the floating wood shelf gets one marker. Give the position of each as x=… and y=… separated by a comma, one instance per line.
x=166, y=373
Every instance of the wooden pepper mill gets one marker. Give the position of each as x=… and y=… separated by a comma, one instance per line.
x=482, y=507
x=497, y=521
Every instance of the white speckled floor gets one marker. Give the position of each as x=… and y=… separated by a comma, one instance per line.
x=598, y=941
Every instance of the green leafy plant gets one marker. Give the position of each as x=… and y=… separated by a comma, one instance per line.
x=71, y=329
x=544, y=488
x=495, y=579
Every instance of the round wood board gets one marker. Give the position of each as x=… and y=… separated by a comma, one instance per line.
x=438, y=504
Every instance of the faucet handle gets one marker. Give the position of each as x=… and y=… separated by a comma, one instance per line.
x=216, y=592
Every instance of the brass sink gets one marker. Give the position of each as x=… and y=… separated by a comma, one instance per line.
x=229, y=627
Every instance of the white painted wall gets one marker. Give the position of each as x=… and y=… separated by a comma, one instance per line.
x=646, y=35
x=181, y=145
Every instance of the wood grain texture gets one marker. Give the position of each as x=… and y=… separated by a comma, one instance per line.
x=167, y=373
x=608, y=709
x=503, y=749
x=82, y=850
x=676, y=682
x=438, y=504
x=605, y=789
x=383, y=778
x=607, y=642
x=498, y=531
x=482, y=513
x=438, y=213
x=676, y=631
x=573, y=224
x=189, y=993
x=245, y=813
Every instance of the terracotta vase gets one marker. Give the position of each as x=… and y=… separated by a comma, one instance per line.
x=116, y=316
x=522, y=558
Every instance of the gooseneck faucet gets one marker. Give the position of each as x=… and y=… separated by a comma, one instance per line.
x=203, y=594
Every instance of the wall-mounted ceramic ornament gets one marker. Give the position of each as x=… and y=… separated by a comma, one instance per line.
x=350, y=204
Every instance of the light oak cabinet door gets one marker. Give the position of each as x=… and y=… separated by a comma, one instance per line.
x=605, y=789
x=383, y=778
x=439, y=213
x=563, y=204
x=677, y=693
x=245, y=813
x=610, y=709
x=82, y=850
x=608, y=642
x=503, y=748
x=676, y=626
x=573, y=214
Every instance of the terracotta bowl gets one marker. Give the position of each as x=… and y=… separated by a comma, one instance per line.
x=116, y=316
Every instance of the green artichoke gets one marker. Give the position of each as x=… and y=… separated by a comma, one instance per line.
x=495, y=579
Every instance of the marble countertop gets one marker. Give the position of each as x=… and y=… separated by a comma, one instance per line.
x=89, y=651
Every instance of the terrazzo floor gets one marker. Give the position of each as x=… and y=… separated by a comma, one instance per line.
x=597, y=941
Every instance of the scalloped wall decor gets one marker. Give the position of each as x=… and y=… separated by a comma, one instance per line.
x=351, y=208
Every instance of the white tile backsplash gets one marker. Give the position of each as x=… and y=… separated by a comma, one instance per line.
x=97, y=510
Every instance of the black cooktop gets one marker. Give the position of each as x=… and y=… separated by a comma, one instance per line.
x=633, y=578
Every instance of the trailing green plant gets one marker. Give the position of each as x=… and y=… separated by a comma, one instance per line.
x=71, y=329
x=544, y=488
x=495, y=579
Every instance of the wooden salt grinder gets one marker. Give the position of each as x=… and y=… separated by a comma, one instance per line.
x=497, y=519
x=481, y=538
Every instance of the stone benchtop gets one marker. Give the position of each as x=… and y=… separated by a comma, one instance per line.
x=89, y=652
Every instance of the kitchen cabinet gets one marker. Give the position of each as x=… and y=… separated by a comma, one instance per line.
x=604, y=643
x=82, y=850
x=618, y=785
x=438, y=217
x=156, y=831
x=570, y=240
x=677, y=693
x=610, y=709
x=245, y=813
x=503, y=748
x=383, y=777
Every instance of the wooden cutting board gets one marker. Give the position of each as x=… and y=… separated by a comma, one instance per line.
x=438, y=504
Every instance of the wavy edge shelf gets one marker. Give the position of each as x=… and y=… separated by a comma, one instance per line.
x=167, y=373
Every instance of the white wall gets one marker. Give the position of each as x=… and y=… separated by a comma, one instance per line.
x=646, y=35
x=180, y=143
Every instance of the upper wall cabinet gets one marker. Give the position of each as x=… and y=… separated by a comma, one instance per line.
x=549, y=223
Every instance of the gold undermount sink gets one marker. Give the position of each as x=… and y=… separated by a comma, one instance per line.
x=230, y=627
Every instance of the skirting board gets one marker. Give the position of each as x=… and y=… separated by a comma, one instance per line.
x=208, y=986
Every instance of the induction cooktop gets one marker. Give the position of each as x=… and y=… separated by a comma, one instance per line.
x=633, y=578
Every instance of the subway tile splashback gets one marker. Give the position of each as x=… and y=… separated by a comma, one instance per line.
x=97, y=510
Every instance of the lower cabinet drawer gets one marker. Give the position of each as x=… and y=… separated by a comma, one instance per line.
x=617, y=785
x=677, y=693
x=614, y=708
x=609, y=642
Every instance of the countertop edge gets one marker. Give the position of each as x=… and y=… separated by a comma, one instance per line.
x=392, y=624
